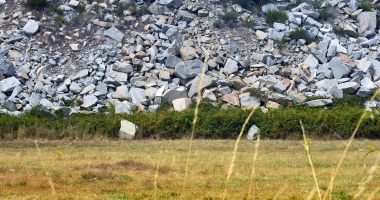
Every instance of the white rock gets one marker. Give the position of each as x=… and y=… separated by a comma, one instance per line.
x=181, y=104
x=128, y=129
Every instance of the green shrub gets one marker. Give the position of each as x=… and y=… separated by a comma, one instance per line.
x=338, y=30
x=311, y=40
x=81, y=7
x=317, y=4
x=298, y=33
x=249, y=22
x=325, y=13
x=217, y=23
x=365, y=5
x=136, y=11
x=242, y=3
x=276, y=16
x=120, y=8
x=230, y=16
x=36, y=3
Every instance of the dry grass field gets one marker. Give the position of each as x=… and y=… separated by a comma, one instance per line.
x=107, y=169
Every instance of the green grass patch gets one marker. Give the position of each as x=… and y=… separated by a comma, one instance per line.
x=276, y=16
x=230, y=16
x=326, y=13
x=298, y=33
x=365, y=5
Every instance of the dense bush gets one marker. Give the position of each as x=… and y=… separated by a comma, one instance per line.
x=276, y=16
x=338, y=121
x=298, y=33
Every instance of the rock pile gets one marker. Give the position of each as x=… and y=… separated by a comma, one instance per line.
x=164, y=60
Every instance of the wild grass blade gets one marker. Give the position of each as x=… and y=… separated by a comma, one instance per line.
x=234, y=153
x=47, y=173
x=361, y=187
x=310, y=196
x=155, y=183
x=373, y=194
x=195, y=119
x=349, y=144
x=279, y=192
x=311, y=163
x=253, y=167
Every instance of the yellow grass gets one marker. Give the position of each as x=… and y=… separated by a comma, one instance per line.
x=128, y=169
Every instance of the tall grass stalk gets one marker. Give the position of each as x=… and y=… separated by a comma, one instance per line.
x=361, y=187
x=373, y=194
x=311, y=195
x=253, y=166
x=280, y=191
x=234, y=153
x=155, y=183
x=311, y=163
x=349, y=144
x=195, y=117
x=47, y=173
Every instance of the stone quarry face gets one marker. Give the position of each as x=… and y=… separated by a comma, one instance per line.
x=135, y=62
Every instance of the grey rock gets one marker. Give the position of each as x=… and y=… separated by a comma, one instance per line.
x=319, y=102
x=48, y=113
x=8, y=84
x=31, y=28
x=154, y=108
x=338, y=68
x=318, y=54
x=311, y=61
x=331, y=52
x=173, y=94
x=46, y=103
x=253, y=133
x=348, y=87
x=114, y=34
x=280, y=87
x=123, y=107
x=231, y=48
x=249, y=102
x=75, y=88
x=265, y=8
x=9, y=105
x=6, y=67
x=335, y=92
x=208, y=94
x=363, y=65
x=311, y=22
x=369, y=43
x=354, y=5
x=122, y=67
x=137, y=95
x=326, y=83
x=172, y=61
x=231, y=66
x=367, y=23
x=364, y=92
x=189, y=69
x=368, y=84
x=207, y=82
x=128, y=130
x=171, y=3
x=275, y=35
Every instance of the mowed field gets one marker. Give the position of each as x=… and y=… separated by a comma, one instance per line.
x=107, y=169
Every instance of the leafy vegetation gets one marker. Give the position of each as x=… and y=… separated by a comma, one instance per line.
x=338, y=29
x=317, y=4
x=276, y=16
x=325, y=13
x=249, y=22
x=242, y=3
x=230, y=16
x=38, y=4
x=298, y=33
x=217, y=22
x=136, y=11
x=365, y=5
x=214, y=122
